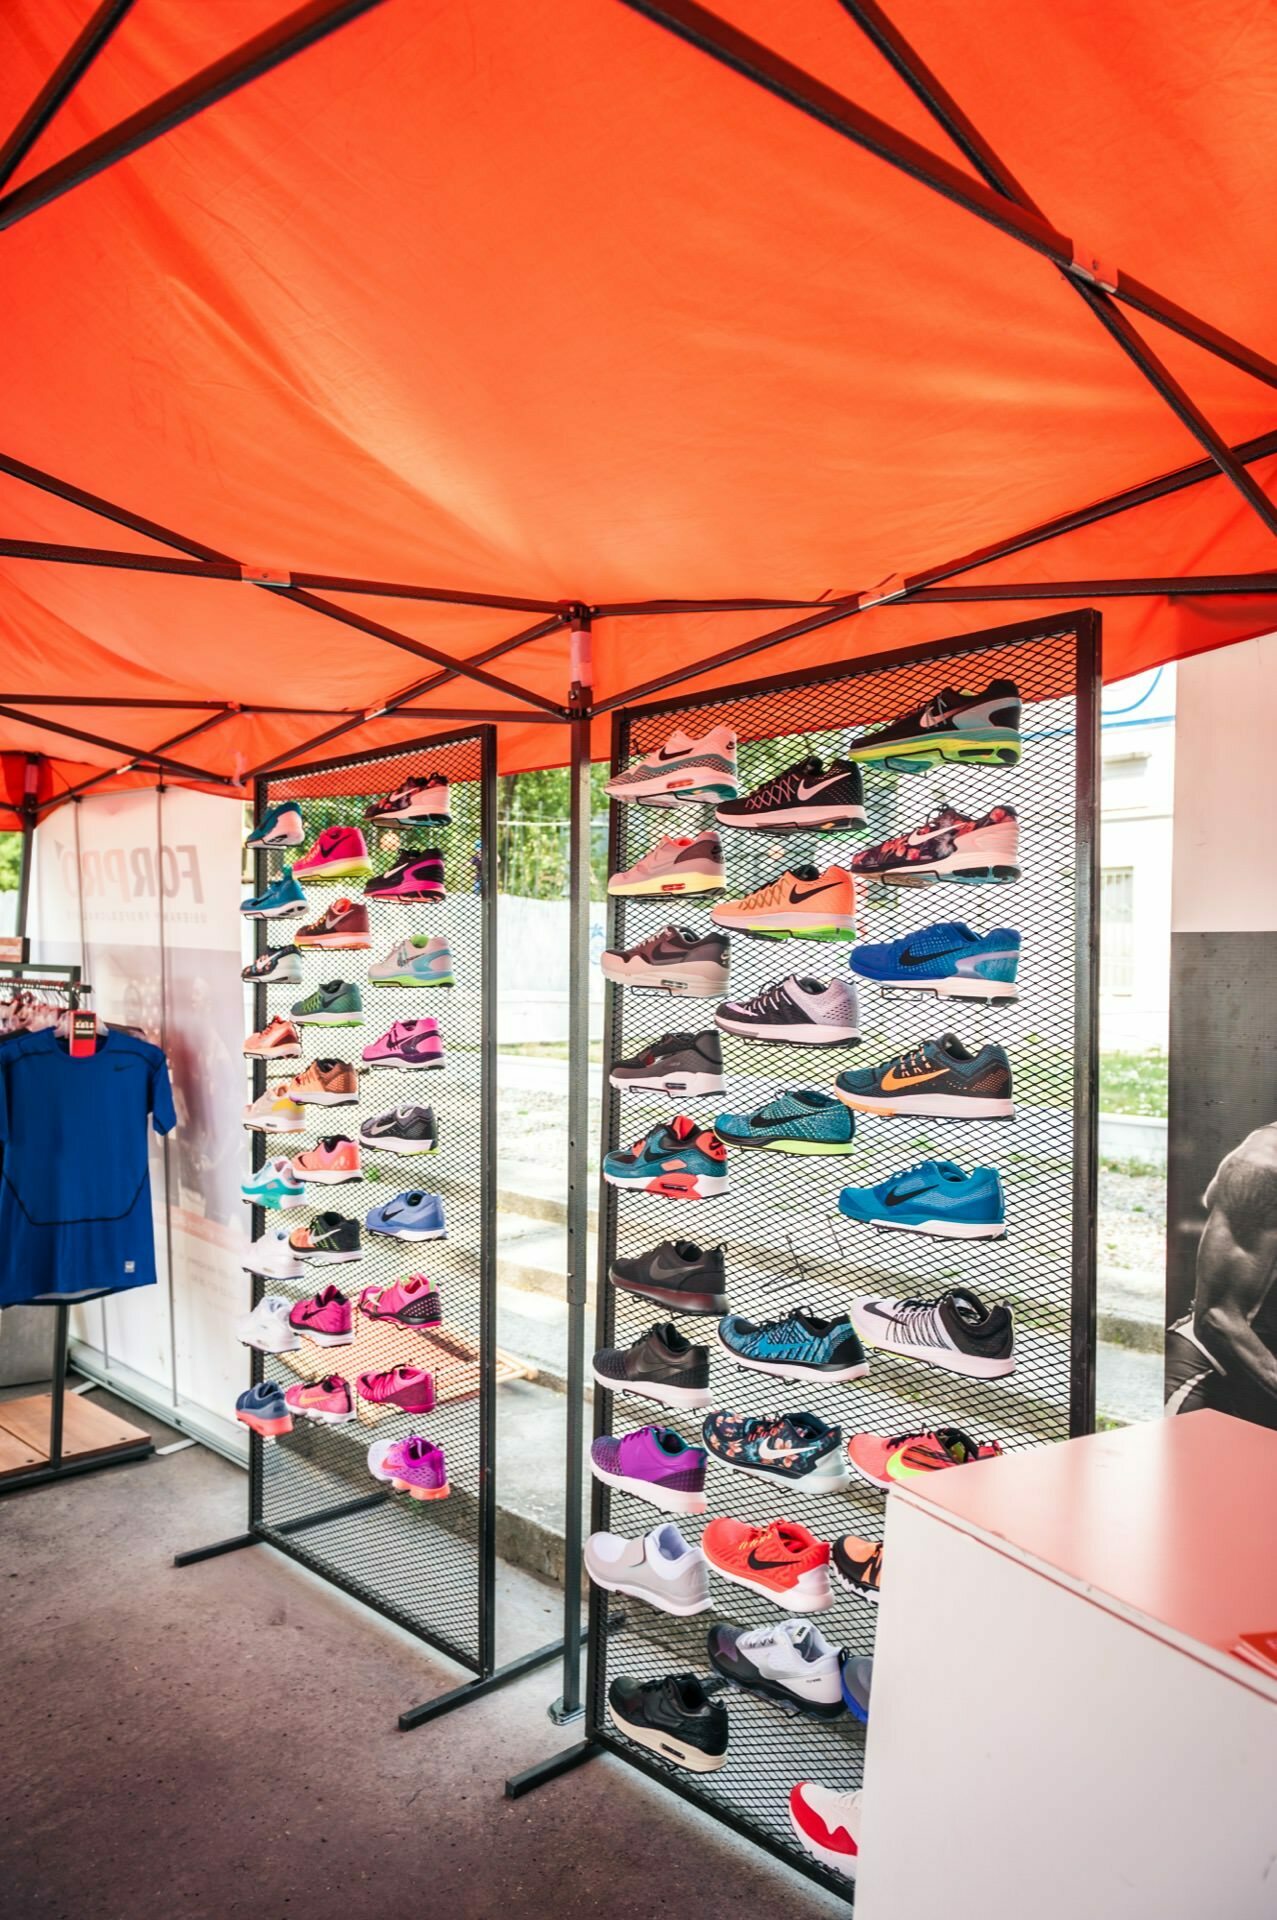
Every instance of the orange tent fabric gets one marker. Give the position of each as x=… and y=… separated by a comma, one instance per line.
x=544, y=303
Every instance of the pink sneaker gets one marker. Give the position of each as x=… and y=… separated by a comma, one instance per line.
x=408, y=1387
x=417, y=1467
x=329, y=1401
x=330, y=1164
x=411, y=1303
x=278, y=1040
x=328, y=1319
x=409, y=1043
x=340, y=853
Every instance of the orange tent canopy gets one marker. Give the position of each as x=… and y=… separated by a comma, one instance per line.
x=355, y=354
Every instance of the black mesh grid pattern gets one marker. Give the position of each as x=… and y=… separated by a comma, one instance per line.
x=785, y=1243
x=426, y=1565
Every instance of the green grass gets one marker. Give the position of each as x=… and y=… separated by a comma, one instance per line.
x=1134, y=1083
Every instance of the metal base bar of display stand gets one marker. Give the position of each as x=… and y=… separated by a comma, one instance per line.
x=81, y=1439
x=263, y=1538
x=475, y=1689
x=550, y=1769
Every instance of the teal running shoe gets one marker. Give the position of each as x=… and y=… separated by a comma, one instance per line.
x=683, y=1161
x=280, y=826
x=935, y=1198
x=337, y=1003
x=803, y=1121
x=282, y=899
x=274, y=1185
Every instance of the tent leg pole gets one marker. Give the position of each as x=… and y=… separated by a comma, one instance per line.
x=29, y=807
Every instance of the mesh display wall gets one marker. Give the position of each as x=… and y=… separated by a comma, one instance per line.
x=786, y=1244
x=428, y=1566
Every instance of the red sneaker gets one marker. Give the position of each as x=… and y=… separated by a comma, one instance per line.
x=783, y=1561
x=344, y=925
x=827, y=1824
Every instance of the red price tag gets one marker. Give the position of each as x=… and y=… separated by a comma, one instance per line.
x=84, y=1035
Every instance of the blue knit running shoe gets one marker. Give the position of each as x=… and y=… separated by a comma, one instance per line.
x=946, y=959
x=936, y=1198
x=798, y=1346
x=802, y=1121
x=282, y=899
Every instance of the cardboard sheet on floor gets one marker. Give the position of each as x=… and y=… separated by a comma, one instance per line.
x=86, y=1430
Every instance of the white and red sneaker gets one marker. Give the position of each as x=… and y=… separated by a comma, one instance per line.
x=827, y=1824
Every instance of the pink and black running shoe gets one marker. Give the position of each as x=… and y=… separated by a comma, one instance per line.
x=416, y=875
x=412, y=1303
x=408, y=1043
x=328, y=1319
x=411, y=1388
x=329, y=1402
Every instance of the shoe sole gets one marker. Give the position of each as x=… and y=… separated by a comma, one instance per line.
x=327, y=1020
x=839, y=1863
x=792, y=819
x=693, y=982
x=327, y=1339
x=692, y=883
x=337, y=942
x=794, y=1370
x=275, y=846
x=412, y=813
x=787, y=1146
x=775, y=1690
x=406, y=1066
x=816, y=1597
x=675, y=1186
x=690, y=1303
x=982, y=747
x=421, y=1493
x=276, y=1053
x=934, y=1229
x=936, y=1106
x=813, y=1036
x=688, y=1397
x=259, y=1346
x=322, y=1418
x=335, y=870
x=410, y=980
x=665, y=1499
x=272, y=979
x=789, y=926
x=862, y=1473
x=692, y=1084
x=275, y=1126
x=405, y=893
x=668, y=1746
x=320, y=1257
x=642, y=1593
x=330, y=1179
x=803, y=1486
x=409, y=1326
x=292, y=911
x=850, y=1586
x=410, y=1233
x=325, y=1099
x=971, y=1366
x=404, y=1148
x=273, y=1202
x=954, y=987
x=657, y=787
x=268, y=1429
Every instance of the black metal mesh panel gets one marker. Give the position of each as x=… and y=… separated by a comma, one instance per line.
x=785, y=1243
x=427, y=1566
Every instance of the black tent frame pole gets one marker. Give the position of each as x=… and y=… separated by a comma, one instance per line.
x=66, y=76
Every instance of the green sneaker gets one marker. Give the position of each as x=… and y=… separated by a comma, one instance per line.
x=337, y=1003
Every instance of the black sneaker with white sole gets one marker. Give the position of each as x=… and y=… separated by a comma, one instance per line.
x=404, y=1130
x=677, y=1275
x=673, y=1717
x=799, y=1011
x=806, y=795
x=680, y=1063
x=329, y=1240
x=956, y=1331
x=676, y=959
x=660, y=1365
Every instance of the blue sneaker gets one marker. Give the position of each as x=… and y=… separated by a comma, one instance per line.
x=264, y=1409
x=799, y=1450
x=799, y=1346
x=280, y=826
x=856, y=1678
x=409, y=1216
x=682, y=1160
x=803, y=1121
x=936, y=1198
x=946, y=959
x=274, y=1185
x=282, y=900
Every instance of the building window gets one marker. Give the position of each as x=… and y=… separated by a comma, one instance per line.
x=1117, y=931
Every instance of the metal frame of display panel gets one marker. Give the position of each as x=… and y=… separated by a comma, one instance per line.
x=786, y=1244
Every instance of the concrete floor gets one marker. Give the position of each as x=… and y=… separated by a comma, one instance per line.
x=220, y=1741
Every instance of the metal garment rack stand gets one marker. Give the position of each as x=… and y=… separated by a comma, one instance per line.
x=430, y=1570
x=1052, y=1222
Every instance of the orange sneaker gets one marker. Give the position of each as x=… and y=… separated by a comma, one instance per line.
x=324, y=1083
x=330, y=1164
x=803, y=904
x=278, y=1040
x=783, y=1561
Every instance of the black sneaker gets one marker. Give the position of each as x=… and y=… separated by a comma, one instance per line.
x=689, y=1063
x=805, y=795
x=329, y=1240
x=278, y=966
x=856, y=1564
x=404, y=1130
x=938, y=1077
x=675, y=959
x=678, y=1274
x=980, y=729
x=416, y=875
x=661, y=1365
x=956, y=1332
x=673, y=1717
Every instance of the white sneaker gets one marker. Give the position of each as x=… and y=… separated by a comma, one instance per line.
x=272, y=1113
x=660, y=1568
x=267, y=1328
x=791, y=1662
x=682, y=770
x=273, y=1257
x=827, y=1825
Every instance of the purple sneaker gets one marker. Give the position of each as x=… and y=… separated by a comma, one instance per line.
x=655, y=1464
x=416, y=1467
x=409, y=1043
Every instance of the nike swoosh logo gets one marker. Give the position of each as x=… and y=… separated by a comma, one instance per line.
x=825, y=887
x=679, y=753
x=766, y=1451
x=902, y=1199
x=892, y=1081
x=780, y=1120
x=910, y=959
x=806, y=792
x=763, y=1565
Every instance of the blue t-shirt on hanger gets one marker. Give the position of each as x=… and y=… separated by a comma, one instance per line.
x=75, y=1188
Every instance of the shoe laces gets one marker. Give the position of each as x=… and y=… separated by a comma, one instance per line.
x=919, y=1317
x=771, y=999
x=913, y=1061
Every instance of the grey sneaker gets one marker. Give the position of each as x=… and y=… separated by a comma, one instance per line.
x=680, y=1063
x=660, y=1568
x=338, y=1003
x=801, y=1011
x=675, y=866
x=677, y=959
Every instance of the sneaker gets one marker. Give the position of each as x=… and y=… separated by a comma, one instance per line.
x=324, y=1083
x=328, y=1402
x=273, y=1112
x=407, y=1044
x=827, y=1824
x=264, y=1410
x=266, y=1328
x=682, y=771
x=659, y=1365
x=799, y=1011
x=857, y=1677
x=278, y=1040
x=956, y=1332
x=682, y=1160
x=946, y=959
x=274, y=1185
x=937, y=1077
x=409, y=1216
x=327, y=1241
x=404, y=1130
x=803, y=904
x=673, y=1717
x=690, y=1063
x=885, y=1460
x=660, y=1568
x=416, y=875
x=334, y=1162
x=655, y=1464
x=280, y=826
x=781, y=1560
x=424, y=798
x=801, y=1121
x=281, y=900
x=337, y=1003
x=678, y=1274
x=272, y=1255
x=674, y=866
x=412, y=1302
x=799, y=1451
x=806, y=795
x=968, y=729
x=416, y=1467
x=948, y=846
x=327, y=1320
x=936, y=1198
x=798, y=1346
x=856, y=1564
x=340, y=853
x=411, y=1389
x=277, y=967
x=344, y=925
x=422, y=960
x=791, y=1663
x=676, y=959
